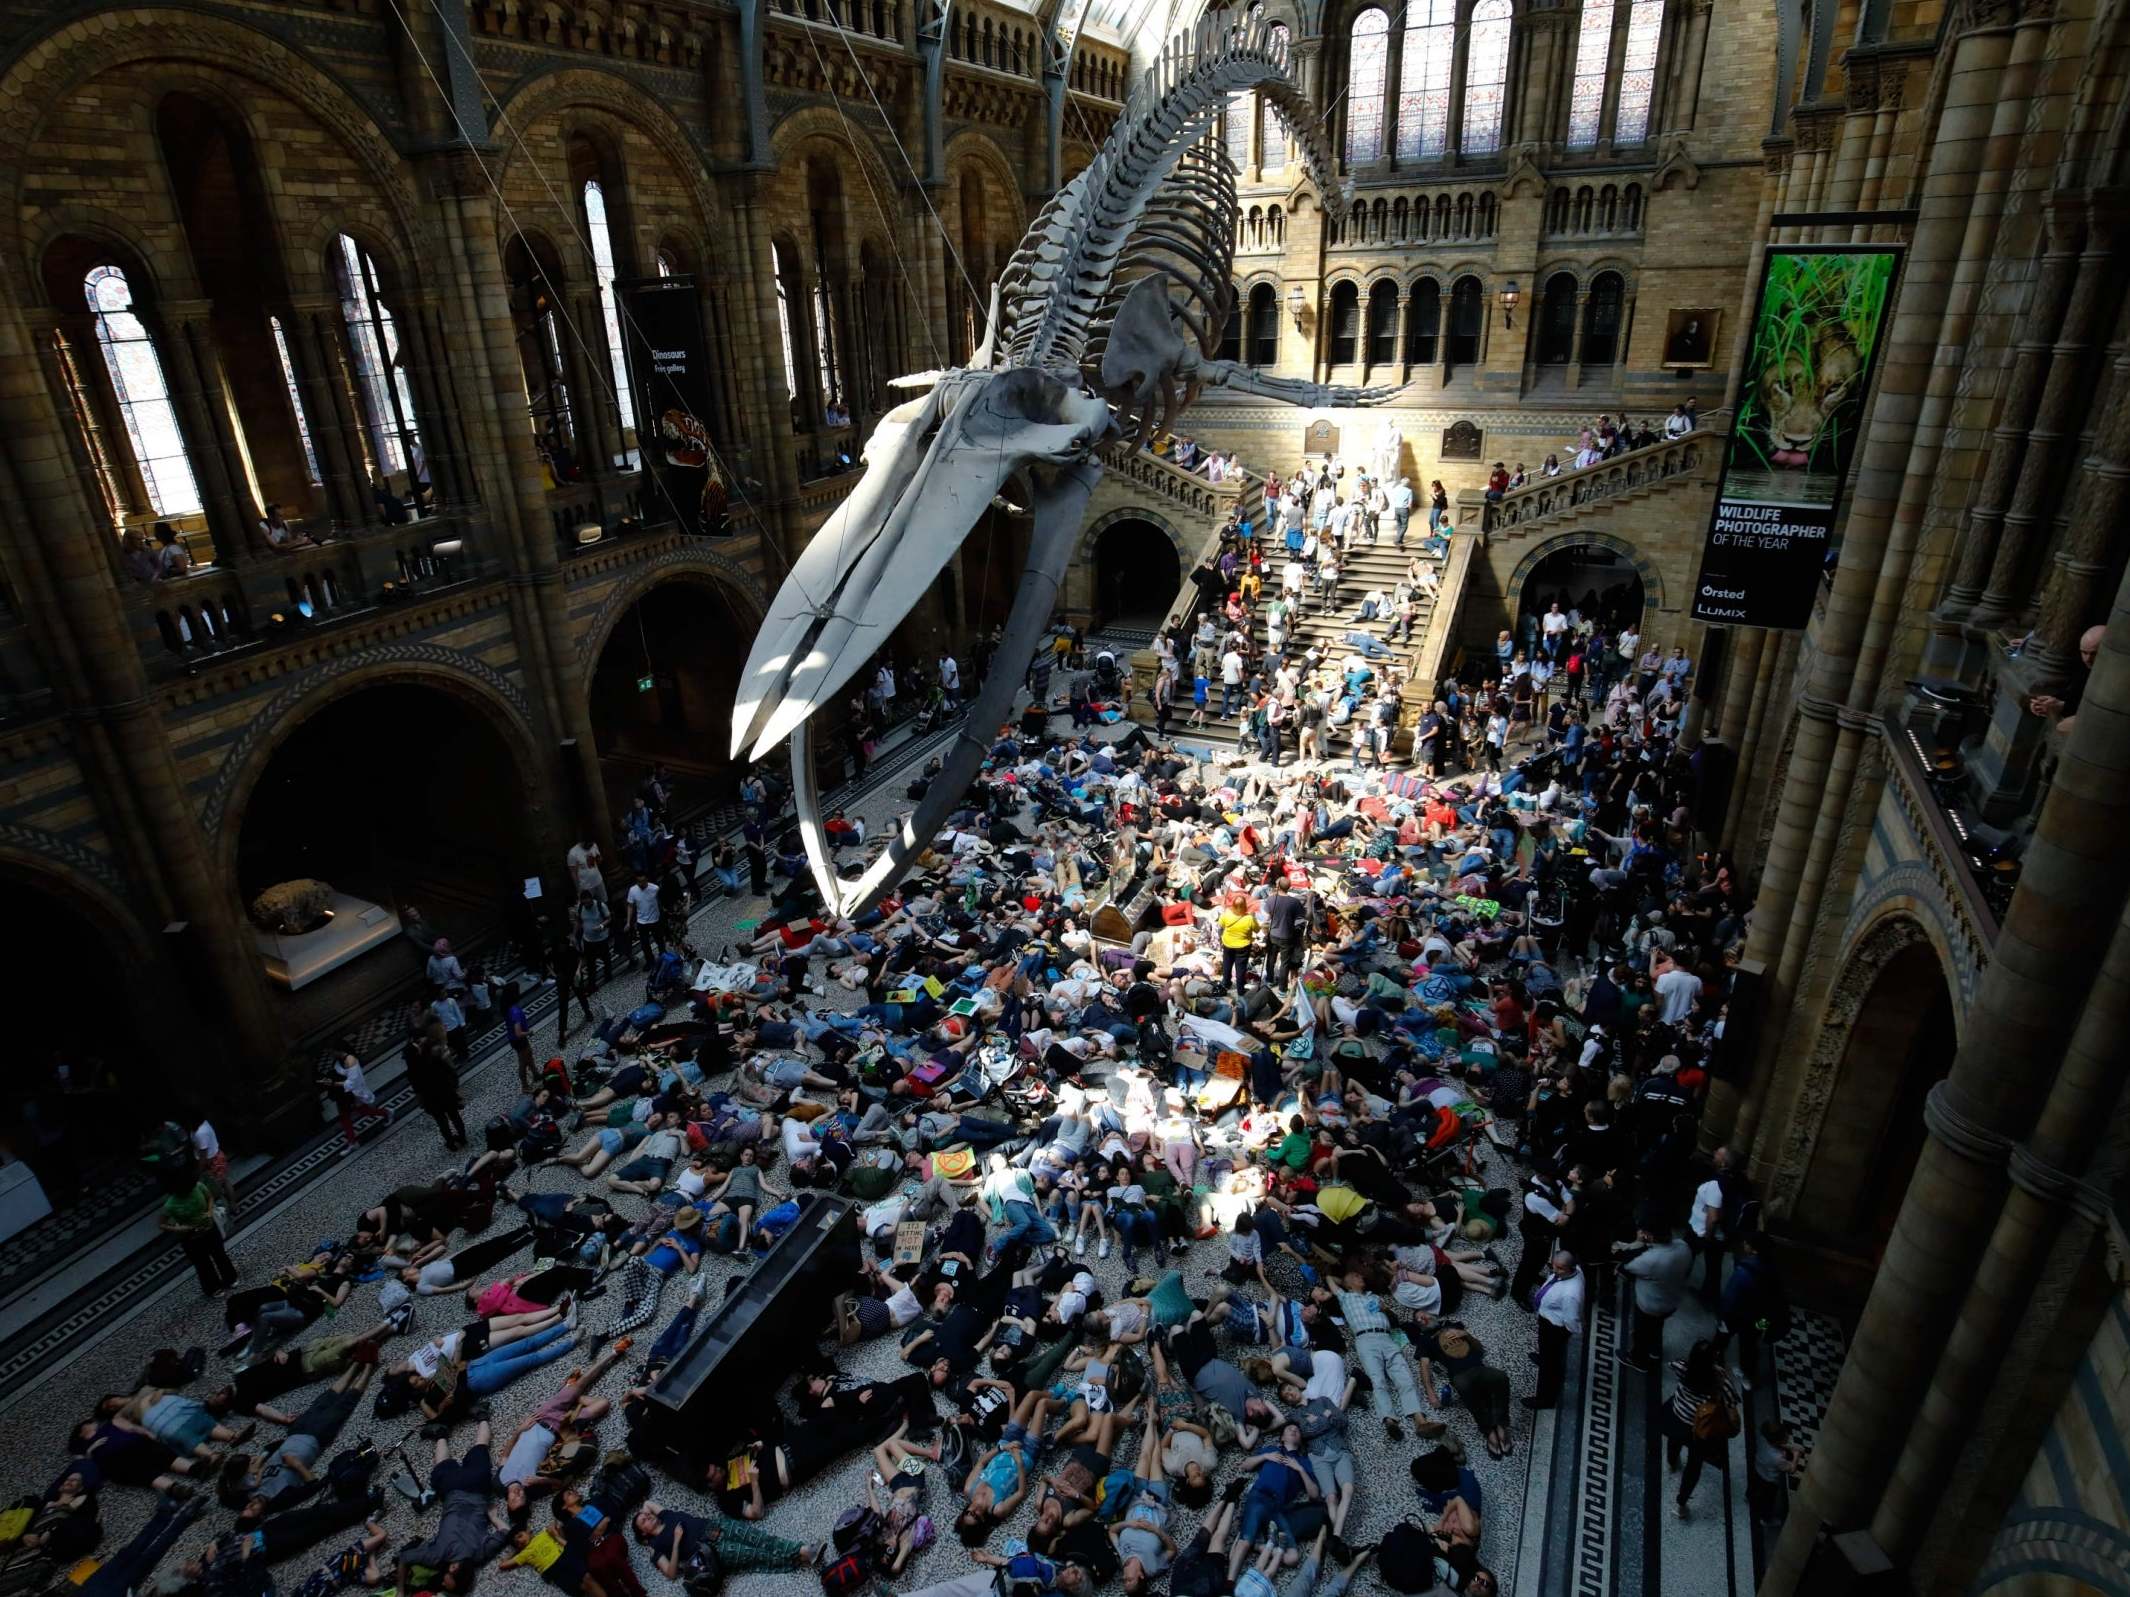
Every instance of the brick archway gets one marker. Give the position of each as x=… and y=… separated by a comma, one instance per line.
x=1645, y=568
x=493, y=697
x=699, y=567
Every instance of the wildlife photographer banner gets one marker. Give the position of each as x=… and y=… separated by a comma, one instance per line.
x=662, y=330
x=1809, y=354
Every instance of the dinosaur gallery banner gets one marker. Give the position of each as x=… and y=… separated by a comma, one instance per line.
x=669, y=369
x=1810, y=349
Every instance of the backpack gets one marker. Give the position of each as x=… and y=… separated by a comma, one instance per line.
x=855, y=1527
x=500, y=1134
x=542, y=1139
x=1716, y=1420
x=843, y=1575
x=1405, y=1558
x=705, y=1573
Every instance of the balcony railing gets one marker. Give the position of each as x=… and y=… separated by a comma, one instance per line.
x=887, y=20
x=1633, y=472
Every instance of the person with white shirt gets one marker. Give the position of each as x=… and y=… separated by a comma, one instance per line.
x=1704, y=1223
x=1231, y=681
x=1558, y=1303
x=646, y=920
x=949, y=676
x=1677, y=989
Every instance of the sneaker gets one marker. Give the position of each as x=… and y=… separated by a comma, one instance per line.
x=1103, y=1251
x=1393, y=1430
x=1079, y=1246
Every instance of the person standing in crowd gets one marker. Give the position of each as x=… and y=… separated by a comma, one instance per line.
x=1558, y=1303
x=190, y=1217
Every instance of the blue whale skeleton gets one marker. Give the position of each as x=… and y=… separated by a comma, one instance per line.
x=1102, y=330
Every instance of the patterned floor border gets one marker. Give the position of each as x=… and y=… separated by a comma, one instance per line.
x=34, y=1351
x=1597, y=1473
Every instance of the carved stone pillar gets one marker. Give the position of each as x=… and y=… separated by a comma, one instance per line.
x=2096, y=526
x=326, y=410
x=2094, y=297
x=1575, y=339
x=195, y=378
x=439, y=421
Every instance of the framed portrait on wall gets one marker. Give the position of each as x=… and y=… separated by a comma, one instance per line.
x=1690, y=339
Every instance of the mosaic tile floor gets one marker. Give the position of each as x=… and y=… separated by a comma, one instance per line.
x=1557, y=1512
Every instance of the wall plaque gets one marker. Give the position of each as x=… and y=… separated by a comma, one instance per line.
x=1461, y=440
x=1320, y=438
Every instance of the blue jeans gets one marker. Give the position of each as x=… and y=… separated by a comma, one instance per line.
x=491, y=1372
x=1136, y=1228
x=1023, y=1221
x=1230, y=696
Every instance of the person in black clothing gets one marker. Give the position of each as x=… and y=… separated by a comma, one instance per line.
x=755, y=836
x=568, y=965
x=1284, y=924
x=435, y=1080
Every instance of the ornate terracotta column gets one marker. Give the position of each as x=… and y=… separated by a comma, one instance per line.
x=1984, y=107
x=326, y=408
x=194, y=375
x=2017, y=1109
x=118, y=735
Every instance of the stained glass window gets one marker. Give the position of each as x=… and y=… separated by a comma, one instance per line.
x=1638, y=72
x=1486, y=77
x=825, y=323
x=143, y=396
x=609, y=301
x=1235, y=129
x=295, y=399
x=1424, y=82
x=380, y=372
x=1586, y=95
x=1271, y=132
x=1367, y=81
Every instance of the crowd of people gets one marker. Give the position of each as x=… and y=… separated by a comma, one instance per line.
x=1192, y=1100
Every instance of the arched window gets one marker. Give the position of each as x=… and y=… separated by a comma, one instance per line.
x=1638, y=72
x=1423, y=322
x=1488, y=212
x=1424, y=80
x=295, y=398
x=1276, y=219
x=1556, y=321
x=1442, y=216
x=1486, y=77
x=1464, y=216
x=825, y=319
x=609, y=302
x=1383, y=324
x=1557, y=212
x=1585, y=209
x=668, y=264
x=1271, y=131
x=779, y=268
x=1631, y=215
x=380, y=368
x=1586, y=93
x=1231, y=335
x=1601, y=320
x=1467, y=310
x=1345, y=322
x=1235, y=129
x=143, y=396
x=1263, y=329
x=1608, y=208
x=1367, y=81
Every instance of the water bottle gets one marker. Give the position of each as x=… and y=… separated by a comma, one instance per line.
x=1443, y=1394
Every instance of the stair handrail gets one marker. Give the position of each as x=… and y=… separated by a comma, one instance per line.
x=1441, y=629
x=1626, y=472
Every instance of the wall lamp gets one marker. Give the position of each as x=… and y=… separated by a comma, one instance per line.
x=1297, y=303
x=1509, y=296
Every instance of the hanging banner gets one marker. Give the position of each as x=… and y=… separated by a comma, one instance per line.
x=669, y=371
x=1810, y=350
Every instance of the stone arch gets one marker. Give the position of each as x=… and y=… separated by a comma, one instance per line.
x=315, y=264
x=85, y=47
x=534, y=99
x=1100, y=524
x=977, y=148
x=877, y=184
x=66, y=870
x=1645, y=568
x=1898, y=931
x=701, y=567
x=2053, y=1543
x=158, y=284
x=494, y=696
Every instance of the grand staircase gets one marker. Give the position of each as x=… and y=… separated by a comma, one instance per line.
x=1366, y=567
